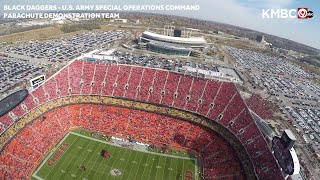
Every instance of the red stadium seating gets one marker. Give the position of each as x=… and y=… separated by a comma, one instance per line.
x=195, y=94
x=226, y=92
x=183, y=91
x=39, y=95
x=45, y=130
x=211, y=90
x=146, y=84
x=6, y=120
x=122, y=79
x=87, y=77
x=158, y=86
x=63, y=82
x=219, y=101
x=110, y=80
x=133, y=82
x=29, y=102
x=18, y=111
x=98, y=79
x=75, y=70
x=170, y=89
x=260, y=106
x=51, y=88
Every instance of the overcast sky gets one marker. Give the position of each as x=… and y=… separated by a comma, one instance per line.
x=243, y=13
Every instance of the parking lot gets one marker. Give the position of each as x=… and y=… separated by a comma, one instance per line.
x=307, y=123
x=267, y=64
x=20, y=63
x=288, y=83
x=289, y=88
x=14, y=71
x=67, y=48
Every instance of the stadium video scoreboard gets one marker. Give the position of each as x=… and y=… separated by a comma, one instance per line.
x=11, y=101
x=35, y=82
x=283, y=151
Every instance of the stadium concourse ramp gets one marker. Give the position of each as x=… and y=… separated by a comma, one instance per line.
x=212, y=104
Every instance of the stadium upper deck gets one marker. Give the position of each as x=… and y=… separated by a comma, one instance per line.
x=209, y=103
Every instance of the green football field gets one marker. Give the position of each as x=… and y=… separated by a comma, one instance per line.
x=78, y=156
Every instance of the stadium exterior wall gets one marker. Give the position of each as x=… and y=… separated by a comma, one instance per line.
x=170, y=39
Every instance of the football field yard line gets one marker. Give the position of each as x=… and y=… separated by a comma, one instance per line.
x=172, y=166
x=138, y=166
x=95, y=162
x=94, y=153
x=124, y=164
x=45, y=160
x=104, y=167
x=144, y=169
x=154, y=164
x=182, y=169
x=115, y=165
x=113, y=144
x=178, y=167
x=127, y=157
x=111, y=166
x=80, y=155
x=164, y=168
x=74, y=153
x=62, y=161
x=147, y=169
x=157, y=169
x=84, y=159
x=142, y=165
x=127, y=163
x=101, y=174
x=135, y=154
x=150, y=167
x=133, y=163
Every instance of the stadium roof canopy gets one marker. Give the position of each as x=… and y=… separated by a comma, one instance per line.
x=160, y=37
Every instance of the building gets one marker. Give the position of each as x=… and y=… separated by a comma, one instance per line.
x=172, y=45
x=259, y=38
x=119, y=20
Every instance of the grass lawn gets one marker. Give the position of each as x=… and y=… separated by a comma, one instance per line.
x=78, y=150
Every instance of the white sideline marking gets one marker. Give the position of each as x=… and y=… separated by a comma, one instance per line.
x=112, y=144
x=46, y=159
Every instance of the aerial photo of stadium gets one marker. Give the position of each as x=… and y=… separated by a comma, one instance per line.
x=156, y=96
x=206, y=118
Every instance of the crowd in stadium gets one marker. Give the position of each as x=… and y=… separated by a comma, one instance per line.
x=216, y=100
x=219, y=157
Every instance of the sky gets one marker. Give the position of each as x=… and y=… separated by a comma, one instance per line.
x=243, y=13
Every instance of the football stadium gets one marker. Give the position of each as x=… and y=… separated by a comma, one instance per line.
x=174, y=41
x=164, y=90
x=112, y=121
